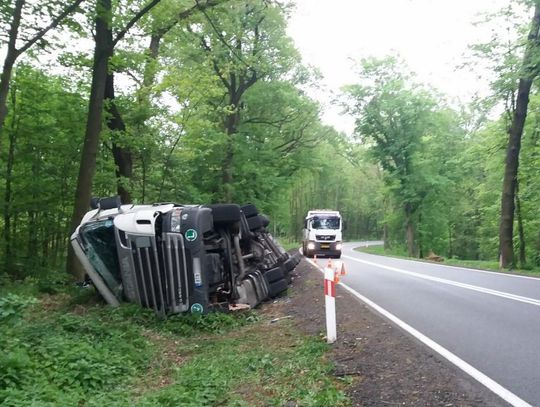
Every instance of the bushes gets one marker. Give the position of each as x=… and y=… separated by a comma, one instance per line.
x=64, y=358
x=61, y=352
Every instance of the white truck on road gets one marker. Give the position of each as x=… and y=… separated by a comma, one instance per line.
x=322, y=234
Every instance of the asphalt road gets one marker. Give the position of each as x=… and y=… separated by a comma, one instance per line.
x=489, y=320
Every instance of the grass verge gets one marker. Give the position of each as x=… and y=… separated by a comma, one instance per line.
x=474, y=264
x=58, y=350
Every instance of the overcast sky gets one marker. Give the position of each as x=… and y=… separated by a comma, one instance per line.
x=431, y=35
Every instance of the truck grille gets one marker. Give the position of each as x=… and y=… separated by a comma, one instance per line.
x=325, y=238
x=160, y=277
x=176, y=268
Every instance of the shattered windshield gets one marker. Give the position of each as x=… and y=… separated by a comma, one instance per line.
x=100, y=247
x=325, y=223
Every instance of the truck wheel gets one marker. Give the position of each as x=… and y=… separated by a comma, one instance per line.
x=249, y=210
x=274, y=274
x=227, y=215
x=112, y=202
x=254, y=223
x=264, y=221
x=277, y=288
x=289, y=265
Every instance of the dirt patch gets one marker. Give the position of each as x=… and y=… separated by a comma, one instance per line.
x=165, y=361
x=388, y=367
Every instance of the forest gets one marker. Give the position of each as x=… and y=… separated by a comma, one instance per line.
x=207, y=101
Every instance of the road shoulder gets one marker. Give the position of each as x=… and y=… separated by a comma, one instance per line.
x=386, y=365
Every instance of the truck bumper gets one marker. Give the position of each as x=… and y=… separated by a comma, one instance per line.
x=330, y=249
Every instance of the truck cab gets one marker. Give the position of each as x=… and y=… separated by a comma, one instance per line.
x=177, y=258
x=322, y=234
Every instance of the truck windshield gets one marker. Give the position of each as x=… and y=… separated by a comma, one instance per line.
x=100, y=248
x=325, y=223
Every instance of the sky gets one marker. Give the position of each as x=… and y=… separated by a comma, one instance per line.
x=432, y=36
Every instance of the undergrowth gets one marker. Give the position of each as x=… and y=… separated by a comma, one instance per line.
x=68, y=349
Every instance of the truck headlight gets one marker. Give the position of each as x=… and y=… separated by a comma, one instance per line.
x=311, y=246
x=339, y=246
x=175, y=220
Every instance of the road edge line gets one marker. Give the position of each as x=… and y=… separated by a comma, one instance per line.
x=480, y=377
x=466, y=286
x=499, y=273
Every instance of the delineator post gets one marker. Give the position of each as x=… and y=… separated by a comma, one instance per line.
x=330, y=304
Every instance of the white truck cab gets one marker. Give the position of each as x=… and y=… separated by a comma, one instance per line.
x=322, y=234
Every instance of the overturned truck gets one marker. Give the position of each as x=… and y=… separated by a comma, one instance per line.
x=181, y=258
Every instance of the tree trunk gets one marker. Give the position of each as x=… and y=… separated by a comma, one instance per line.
x=231, y=124
x=386, y=236
x=521, y=231
x=411, y=247
x=450, y=241
x=8, y=254
x=530, y=71
x=9, y=62
x=13, y=53
x=506, y=230
x=103, y=51
x=122, y=155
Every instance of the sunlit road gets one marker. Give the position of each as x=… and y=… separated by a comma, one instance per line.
x=489, y=320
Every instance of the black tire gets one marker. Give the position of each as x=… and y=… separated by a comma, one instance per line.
x=225, y=214
x=274, y=274
x=264, y=220
x=249, y=210
x=277, y=287
x=289, y=265
x=112, y=202
x=254, y=223
x=94, y=203
x=297, y=257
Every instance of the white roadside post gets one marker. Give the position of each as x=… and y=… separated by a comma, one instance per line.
x=330, y=303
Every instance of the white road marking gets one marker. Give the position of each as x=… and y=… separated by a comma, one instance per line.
x=495, y=273
x=491, y=384
x=526, y=300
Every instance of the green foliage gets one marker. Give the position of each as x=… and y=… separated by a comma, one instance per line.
x=64, y=358
x=67, y=354
x=12, y=306
x=276, y=371
x=45, y=117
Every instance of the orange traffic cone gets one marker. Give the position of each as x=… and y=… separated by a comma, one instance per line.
x=336, y=277
x=342, y=271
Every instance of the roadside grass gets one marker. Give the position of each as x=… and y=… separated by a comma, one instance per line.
x=288, y=243
x=474, y=264
x=69, y=349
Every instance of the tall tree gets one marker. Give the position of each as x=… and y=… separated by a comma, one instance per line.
x=529, y=71
x=162, y=21
x=32, y=33
x=103, y=51
x=243, y=44
x=105, y=42
x=394, y=115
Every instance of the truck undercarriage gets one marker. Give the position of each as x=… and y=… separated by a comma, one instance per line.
x=181, y=258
